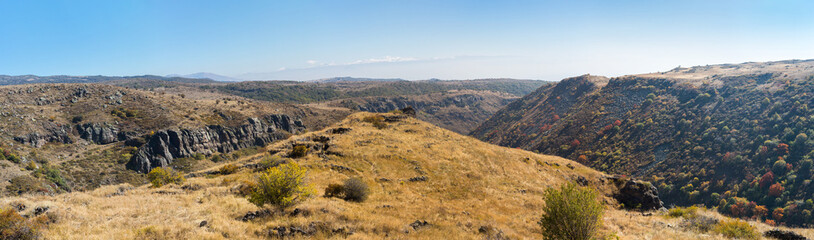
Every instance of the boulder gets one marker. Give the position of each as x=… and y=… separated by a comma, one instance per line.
x=638, y=194
x=783, y=235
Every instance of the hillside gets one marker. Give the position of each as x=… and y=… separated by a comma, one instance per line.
x=311, y=92
x=456, y=105
x=459, y=111
x=69, y=137
x=461, y=187
x=732, y=136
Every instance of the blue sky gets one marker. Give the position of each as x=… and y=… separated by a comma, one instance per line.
x=396, y=39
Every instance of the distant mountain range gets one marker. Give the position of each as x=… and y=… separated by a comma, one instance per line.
x=207, y=75
x=32, y=79
x=353, y=79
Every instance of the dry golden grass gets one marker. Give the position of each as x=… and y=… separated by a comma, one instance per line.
x=469, y=184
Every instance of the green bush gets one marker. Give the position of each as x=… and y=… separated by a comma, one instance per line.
x=14, y=226
x=52, y=174
x=355, y=190
x=689, y=212
x=160, y=177
x=736, y=229
x=298, y=151
x=281, y=186
x=571, y=212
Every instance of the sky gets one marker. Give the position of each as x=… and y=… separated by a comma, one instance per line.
x=416, y=39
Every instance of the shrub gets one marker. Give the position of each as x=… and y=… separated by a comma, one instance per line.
x=355, y=190
x=281, y=186
x=700, y=223
x=736, y=229
x=14, y=226
x=160, y=176
x=54, y=175
x=689, y=212
x=217, y=158
x=228, y=169
x=571, y=212
x=246, y=188
x=270, y=162
x=334, y=190
x=376, y=120
x=298, y=151
x=24, y=184
x=13, y=158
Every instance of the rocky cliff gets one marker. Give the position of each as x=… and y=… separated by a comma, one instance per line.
x=53, y=133
x=165, y=146
x=102, y=133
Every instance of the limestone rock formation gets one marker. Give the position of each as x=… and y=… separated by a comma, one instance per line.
x=165, y=146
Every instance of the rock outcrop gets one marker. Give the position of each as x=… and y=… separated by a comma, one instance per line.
x=53, y=133
x=638, y=194
x=783, y=235
x=165, y=146
x=101, y=133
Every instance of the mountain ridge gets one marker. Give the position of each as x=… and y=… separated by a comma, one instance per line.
x=705, y=135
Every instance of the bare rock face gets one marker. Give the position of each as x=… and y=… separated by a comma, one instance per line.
x=165, y=146
x=638, y=194
x=101, y=133
x=783, y=235
x=53, y=133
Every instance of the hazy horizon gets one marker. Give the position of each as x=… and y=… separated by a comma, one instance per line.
x=306, y=40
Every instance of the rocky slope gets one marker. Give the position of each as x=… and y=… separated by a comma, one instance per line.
x=459, y=111
x=86, y=133
x=731, y=136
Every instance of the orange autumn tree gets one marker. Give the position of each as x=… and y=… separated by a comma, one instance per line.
x=777, y=214
x=775, y=190
x=761, y=211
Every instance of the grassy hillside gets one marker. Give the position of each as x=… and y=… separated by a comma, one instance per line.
x=735, y=137
x=461, y=187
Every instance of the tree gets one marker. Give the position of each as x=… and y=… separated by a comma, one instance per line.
x=761, y=211
x=775, y=190
x=777, y=214
x=571, y=212
x=767, y=179
x=282, y=186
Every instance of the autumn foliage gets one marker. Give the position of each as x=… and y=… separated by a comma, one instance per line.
x=775, y=190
